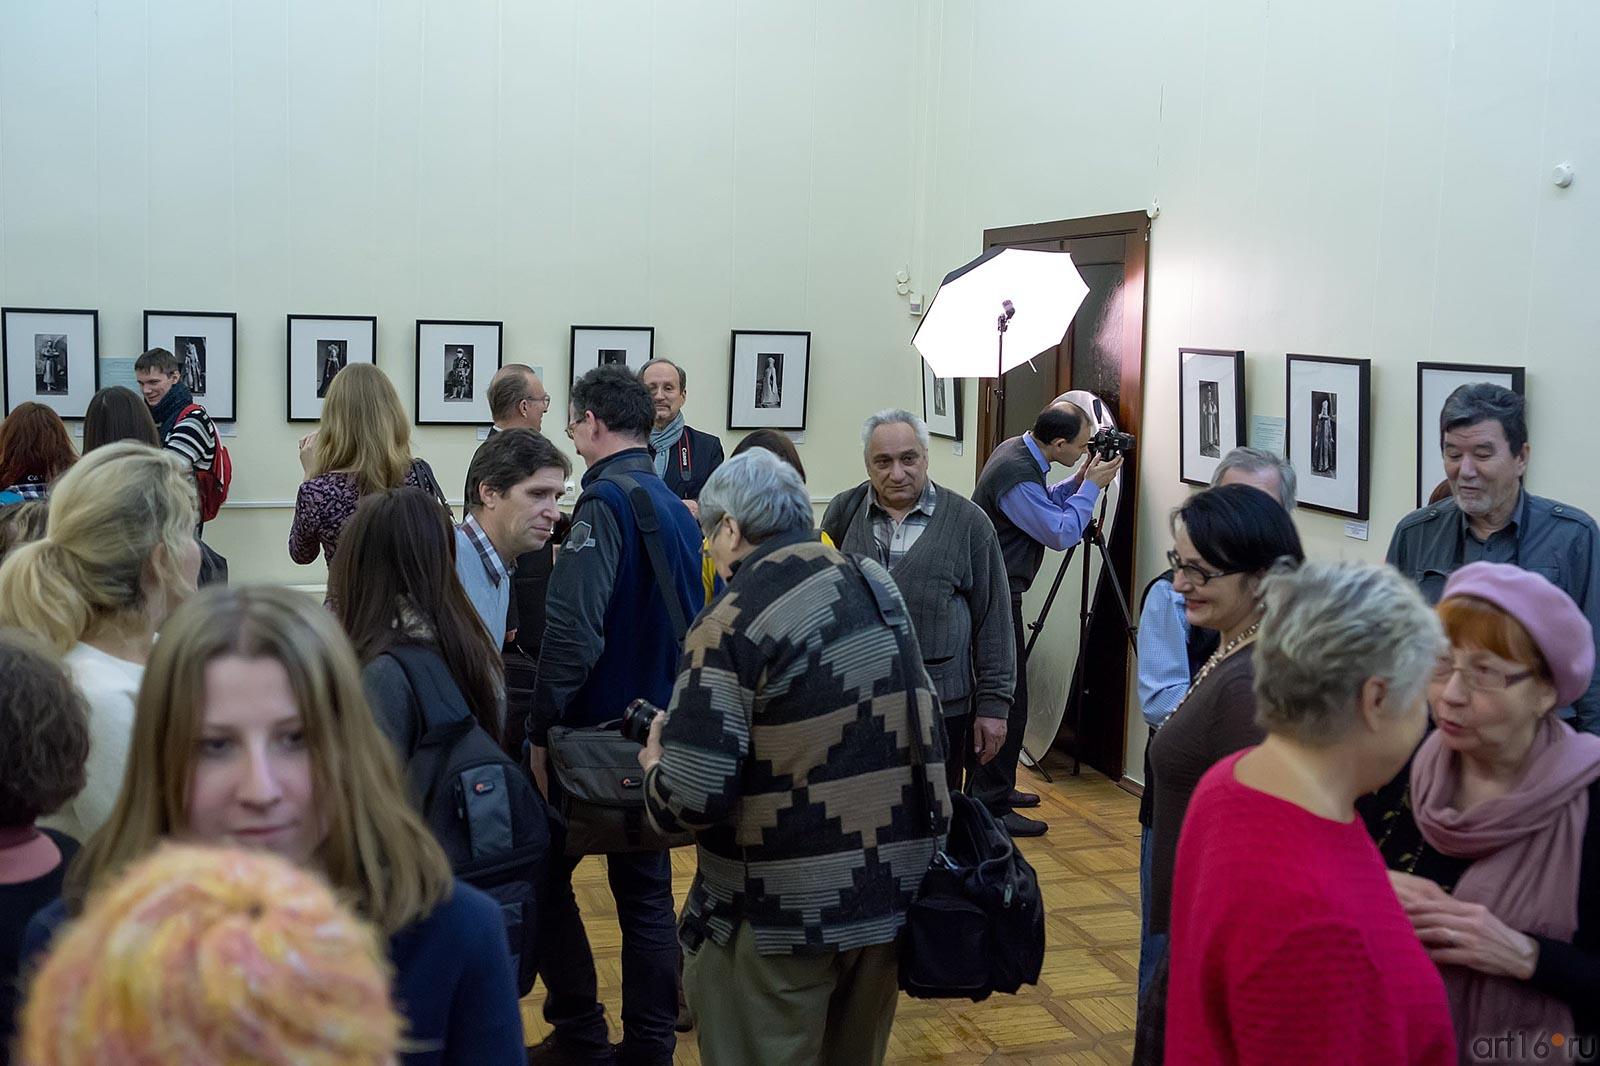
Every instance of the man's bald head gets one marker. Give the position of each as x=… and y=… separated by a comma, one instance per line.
x=1062, y=432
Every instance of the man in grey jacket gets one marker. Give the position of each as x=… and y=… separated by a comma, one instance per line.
x=1483, y=439
x=942, y=552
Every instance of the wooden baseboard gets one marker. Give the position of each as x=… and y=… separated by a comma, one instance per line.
x=1129, y=785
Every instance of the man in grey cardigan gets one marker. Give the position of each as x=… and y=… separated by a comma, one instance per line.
x=942, y=552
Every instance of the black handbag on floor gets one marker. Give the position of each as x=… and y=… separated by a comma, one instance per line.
x=977, y=926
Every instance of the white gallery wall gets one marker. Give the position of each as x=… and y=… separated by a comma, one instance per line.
x=696, y=167
x=1362, y=179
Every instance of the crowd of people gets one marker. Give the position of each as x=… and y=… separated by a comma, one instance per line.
x=236, y=823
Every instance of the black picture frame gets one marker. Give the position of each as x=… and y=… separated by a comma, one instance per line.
x=75, y=405
x=289, y=368
x=1312, y=480
x=224, y=413
x=1186, y=472
x=1428, y=427
x=936, y=422
x=482, y=384
x=754, y=415
x=633, y=361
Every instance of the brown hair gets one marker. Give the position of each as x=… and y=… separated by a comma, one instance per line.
x=22, y=523
x=158, y=359
x=377, y=851
x=393, y=581
x=118, y=413
x=34, y=441
x=1476, y=623
x=509, y=457
x=44, y=731
x=775, y=442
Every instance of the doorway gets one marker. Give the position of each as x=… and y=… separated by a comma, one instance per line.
x=1102, y=352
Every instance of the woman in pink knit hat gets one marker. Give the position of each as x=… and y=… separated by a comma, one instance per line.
x=1495, y=848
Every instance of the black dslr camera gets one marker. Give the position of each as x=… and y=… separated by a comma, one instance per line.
x=636, y=721
x=1109, y=443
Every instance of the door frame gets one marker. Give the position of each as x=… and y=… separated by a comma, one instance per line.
x=1110, y=754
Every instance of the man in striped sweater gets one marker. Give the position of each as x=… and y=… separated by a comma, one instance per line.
x=802, y=747
x=186, y=428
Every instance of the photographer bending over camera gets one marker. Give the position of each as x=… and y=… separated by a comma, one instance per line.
x=789, y=751
x=1028, y=518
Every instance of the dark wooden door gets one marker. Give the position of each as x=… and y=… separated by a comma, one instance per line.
x=1102, y=352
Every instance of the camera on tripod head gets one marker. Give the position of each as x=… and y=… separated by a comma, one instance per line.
x=1109, y=443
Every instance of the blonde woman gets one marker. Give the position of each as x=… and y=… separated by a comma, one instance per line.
x=119, y=556
x=253, y=731
x=362, y=447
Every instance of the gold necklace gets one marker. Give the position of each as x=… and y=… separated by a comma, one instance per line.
x=1216, y=660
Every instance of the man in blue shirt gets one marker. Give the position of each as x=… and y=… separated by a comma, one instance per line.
x=1170, y=652
x=513, y=484
x=1028, y=517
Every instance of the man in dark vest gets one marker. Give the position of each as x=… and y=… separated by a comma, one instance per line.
x=611, y=639
x=1028, y=518
x=684, y=457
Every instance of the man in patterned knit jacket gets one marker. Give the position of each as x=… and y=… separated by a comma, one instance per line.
x=791, y=749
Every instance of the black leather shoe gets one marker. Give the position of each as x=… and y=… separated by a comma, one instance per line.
x=1019, y=825
x=552, y=1052
x=1018, y=801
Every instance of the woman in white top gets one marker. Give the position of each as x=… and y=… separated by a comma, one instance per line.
x=119, y=554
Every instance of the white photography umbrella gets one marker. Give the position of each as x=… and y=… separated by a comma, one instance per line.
x=999, y=311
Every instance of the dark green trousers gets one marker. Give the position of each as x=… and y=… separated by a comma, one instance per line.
x=834, y=1009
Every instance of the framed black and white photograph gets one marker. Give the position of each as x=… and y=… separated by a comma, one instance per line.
x=629, y=346
x=1211, y=410
x=50, y=357
x=1326, y=427
x=941, y=403
x=205, y=343
x=455, y=361
x=1435, y=383
x=767, y=383
x=319, y=347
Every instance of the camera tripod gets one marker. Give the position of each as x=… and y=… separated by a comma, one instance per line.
x=1091, y=535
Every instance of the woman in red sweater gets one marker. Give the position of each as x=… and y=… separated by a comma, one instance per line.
x=1288, y=944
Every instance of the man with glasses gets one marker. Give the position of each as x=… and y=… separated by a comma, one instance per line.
x=684, y=457
x=1171, y=651
x=1028, y=518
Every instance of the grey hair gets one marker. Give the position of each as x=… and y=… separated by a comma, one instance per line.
x=761, y=492
x=1328, y=628
x=1251, y=460
x=1486, y=402
x=890, y=417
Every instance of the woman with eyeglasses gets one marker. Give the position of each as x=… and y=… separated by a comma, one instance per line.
x=1494, y=849
x=1225, y=540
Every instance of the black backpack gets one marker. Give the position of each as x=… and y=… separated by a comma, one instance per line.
x=481, y=804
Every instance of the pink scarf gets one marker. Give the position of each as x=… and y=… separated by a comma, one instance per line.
x=1528, y=847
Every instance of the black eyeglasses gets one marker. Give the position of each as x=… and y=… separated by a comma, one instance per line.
x=1197, y=575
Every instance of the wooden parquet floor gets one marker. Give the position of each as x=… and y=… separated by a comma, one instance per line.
x=1080, y=1013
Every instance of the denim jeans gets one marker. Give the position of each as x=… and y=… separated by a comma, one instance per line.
x=641, y=883
x=1151, y=945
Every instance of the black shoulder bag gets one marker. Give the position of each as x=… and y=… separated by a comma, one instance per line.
x=595, y=781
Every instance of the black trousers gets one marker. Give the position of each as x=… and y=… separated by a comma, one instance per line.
x=993, y=782
x=958, y=758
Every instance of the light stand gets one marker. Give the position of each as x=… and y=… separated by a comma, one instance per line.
x=1091, y=535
